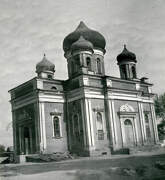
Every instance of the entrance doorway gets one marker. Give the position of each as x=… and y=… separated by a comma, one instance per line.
x=27, y=143
x=129, y=135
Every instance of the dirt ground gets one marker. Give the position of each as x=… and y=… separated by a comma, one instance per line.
x=117, y=168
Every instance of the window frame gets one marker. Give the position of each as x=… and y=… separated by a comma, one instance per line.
x=98, y=66
x=100, y=132
x=147, y=125
x=60, y=126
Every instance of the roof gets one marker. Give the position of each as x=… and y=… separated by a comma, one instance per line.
x=82, y=44
x=93, y=36
x=126, y=55
x=45, y=65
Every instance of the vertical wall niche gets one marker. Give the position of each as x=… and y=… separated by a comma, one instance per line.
x=76, y=141
x=123, y=71
x=133, y=69
x=77, y=62
x=147, y=126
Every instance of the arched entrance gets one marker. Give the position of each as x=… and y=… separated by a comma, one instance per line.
x=129, y=135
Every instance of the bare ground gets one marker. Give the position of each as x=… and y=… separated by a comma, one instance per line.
x=116, y=168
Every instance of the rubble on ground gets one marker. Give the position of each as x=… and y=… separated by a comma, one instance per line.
x=57, y=156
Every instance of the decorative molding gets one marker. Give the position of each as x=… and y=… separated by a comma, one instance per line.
x=98, y=109
x=55, y=113
x=126, y=108
x=51, y=98
x=99, y=52
x=21, y=103
x=24, y=115
x=127, y=114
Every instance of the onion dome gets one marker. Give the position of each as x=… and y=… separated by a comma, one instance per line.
x=94, y=37
x=82, y=44
x=45, y=65
x=126, y=55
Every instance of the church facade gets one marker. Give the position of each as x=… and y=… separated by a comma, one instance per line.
x=89, y=114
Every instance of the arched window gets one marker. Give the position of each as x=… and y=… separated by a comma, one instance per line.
x=88, y=60
x=98, y=65
x=56, y=126
x=146, y=118
x=133, y=72
x=49, y=76
x=53, y=88
x=128, y=122
x=100, y=131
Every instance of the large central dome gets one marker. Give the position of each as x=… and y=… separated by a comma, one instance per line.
x=90, y=35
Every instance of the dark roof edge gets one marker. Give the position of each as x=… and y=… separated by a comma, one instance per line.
x=22, y=84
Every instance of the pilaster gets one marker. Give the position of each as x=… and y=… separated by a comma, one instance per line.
x=14, y=133
x=42, y=127
x=112, y=122
x=89, y=124
x=154, y=123
x=142, y=122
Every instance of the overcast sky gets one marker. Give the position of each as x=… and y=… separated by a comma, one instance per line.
x=30, y=28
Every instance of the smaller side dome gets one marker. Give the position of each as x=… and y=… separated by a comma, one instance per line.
x=45, y=65
x=82, y=44
x=126, y=55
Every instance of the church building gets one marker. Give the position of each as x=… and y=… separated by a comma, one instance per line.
x=89, y=114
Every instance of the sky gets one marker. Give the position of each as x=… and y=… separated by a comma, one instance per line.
x=30, y=28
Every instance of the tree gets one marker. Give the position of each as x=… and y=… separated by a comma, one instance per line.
x=2, y=148
x=160, y=113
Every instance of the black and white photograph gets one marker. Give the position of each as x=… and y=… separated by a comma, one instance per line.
x=82, y=92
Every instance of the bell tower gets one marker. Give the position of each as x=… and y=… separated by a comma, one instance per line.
x=127, y=64
x=80, y=60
